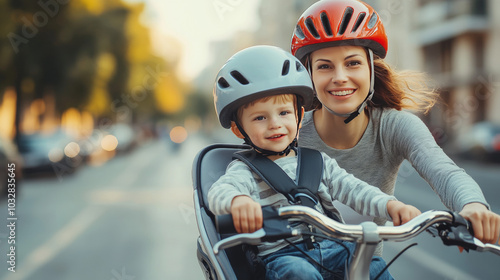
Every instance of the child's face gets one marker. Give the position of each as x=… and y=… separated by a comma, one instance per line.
x=271, y=125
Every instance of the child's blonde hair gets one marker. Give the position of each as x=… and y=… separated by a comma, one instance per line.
x=279, y=98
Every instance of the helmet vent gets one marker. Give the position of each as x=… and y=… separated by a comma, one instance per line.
x=360, y=19
x=223, y=83
x=312, y=28
x=345, y=20
x=373, y=20
x=286, y=68
x=237, y=75
x=299, y=33
x=326, y=24
x=299, y=66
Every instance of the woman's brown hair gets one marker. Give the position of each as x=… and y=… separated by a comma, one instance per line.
x=402, y=90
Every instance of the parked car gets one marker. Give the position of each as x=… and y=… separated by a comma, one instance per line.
x=10, y=165
x=55, y=154
x=125, y=135
x=91, y=145
x=482, y=142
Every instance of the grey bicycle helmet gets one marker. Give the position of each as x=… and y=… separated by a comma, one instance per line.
x=256, y=72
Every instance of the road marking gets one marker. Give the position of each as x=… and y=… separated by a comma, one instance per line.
x=138, y=162
x=61, y=239
x=146, y=197
x=436, y=265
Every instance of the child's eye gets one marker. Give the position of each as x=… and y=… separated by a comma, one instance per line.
x=259, y=118
x=284, y=113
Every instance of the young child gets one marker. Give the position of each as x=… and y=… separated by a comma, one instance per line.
x=259, y=94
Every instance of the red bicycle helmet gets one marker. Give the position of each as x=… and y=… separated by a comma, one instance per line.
x=329, y=23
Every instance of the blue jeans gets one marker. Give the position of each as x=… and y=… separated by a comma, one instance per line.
x=289, y=263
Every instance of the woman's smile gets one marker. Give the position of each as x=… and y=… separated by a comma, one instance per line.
x=342, y=94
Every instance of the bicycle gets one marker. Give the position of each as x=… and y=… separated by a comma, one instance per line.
x=221, y=255
x=452, y=228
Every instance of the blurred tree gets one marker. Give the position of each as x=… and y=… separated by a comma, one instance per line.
x=90, y=55
x=7, y=26
x=96, y=61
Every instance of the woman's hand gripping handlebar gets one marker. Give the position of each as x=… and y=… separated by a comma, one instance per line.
x=450, y=227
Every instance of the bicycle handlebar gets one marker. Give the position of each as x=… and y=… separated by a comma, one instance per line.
x=453, y=229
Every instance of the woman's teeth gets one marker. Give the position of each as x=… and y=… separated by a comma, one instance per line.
x=342, y=92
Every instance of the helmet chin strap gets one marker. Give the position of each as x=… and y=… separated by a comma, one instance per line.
x=350, y=116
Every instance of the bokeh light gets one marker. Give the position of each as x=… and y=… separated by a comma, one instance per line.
x=178, y=134
x=109, y=143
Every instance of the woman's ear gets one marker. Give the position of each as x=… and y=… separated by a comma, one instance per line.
x=236, y=131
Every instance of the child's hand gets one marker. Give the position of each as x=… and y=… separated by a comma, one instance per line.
x=401, y=213
x=247, y=214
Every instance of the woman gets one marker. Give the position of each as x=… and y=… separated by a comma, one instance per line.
x=358, y=119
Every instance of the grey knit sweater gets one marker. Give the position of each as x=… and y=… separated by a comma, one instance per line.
x=391, y=137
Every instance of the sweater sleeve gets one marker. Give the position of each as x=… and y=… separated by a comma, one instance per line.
x=236, y=181
x=357, y=194
x=412, y=138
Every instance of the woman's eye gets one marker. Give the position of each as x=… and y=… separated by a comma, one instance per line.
x=323, y=66
x=353, y=63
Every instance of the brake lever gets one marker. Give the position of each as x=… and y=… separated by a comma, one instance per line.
x=460, y=233
x=457, y=235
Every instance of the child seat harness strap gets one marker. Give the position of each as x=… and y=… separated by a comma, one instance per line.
x=309, y=173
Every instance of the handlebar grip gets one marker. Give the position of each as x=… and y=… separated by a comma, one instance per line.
x=224, y=224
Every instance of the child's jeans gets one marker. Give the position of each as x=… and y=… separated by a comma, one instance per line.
x=289, y=263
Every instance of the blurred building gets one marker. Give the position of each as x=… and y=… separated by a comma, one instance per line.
x=220, y=52
x=456, y=43
x=278, y=19
x=277, y=22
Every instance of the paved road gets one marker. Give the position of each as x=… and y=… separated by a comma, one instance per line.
x=131, y=218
